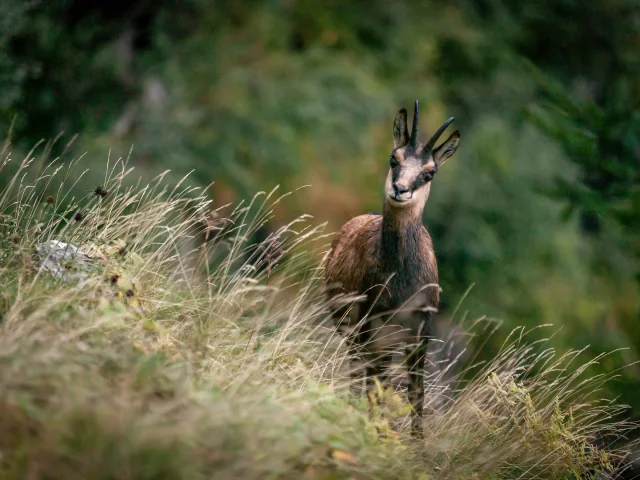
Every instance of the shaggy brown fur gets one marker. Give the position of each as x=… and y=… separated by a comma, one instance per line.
x=390, y=261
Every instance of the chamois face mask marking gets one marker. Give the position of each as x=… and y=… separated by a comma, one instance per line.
x=413, y=165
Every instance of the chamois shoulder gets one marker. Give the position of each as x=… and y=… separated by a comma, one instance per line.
x=353, y=231
x=352, y=250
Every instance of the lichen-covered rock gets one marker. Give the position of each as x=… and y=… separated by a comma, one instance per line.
x=65, y=261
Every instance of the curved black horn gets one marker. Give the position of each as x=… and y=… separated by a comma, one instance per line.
x=414, y=128
x=432, y=141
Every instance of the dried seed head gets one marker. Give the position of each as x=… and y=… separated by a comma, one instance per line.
x=78, y=217
x=50, y=199
x=214, y=221
x=114, y=278
x=100, y=191
x=129, y=293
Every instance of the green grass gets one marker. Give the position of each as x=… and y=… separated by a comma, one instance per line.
x=177, y=358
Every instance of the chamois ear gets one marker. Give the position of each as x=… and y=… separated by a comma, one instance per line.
x=447, y=148
x=400, y=130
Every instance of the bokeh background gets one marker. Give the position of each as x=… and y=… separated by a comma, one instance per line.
x=538, y=211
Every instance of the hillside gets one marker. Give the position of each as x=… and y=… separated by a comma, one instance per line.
x=172, y=348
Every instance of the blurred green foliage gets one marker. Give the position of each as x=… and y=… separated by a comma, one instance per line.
x=257, y=93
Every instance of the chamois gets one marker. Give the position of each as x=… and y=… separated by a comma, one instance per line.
x=389, y=261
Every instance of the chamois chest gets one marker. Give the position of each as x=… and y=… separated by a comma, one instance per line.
x=392, y=266
x=407, y=263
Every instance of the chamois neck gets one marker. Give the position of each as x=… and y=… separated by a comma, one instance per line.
x=401, y=229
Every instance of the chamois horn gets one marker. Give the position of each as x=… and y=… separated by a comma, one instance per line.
x=432, y=141
x=414, y=128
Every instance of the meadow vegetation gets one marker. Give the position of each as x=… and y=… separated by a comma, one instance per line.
x=177, y=348
x=534, y=221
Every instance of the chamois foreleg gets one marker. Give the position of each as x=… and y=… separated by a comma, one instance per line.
x=415, y=358
x=375, y=364
x=355, y=328
x=376, y=368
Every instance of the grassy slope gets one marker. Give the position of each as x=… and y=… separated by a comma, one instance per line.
x=140, y=367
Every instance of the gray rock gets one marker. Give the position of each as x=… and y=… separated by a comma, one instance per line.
x=65, y=261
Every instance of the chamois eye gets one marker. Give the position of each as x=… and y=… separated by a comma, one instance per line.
x=393, y=161
x=428, y=176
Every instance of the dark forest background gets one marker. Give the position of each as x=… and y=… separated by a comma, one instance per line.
x=538, y=211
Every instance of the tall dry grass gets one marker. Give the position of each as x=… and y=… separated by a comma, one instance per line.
x=178, y=349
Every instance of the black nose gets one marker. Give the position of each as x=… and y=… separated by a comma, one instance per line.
x=400, y=189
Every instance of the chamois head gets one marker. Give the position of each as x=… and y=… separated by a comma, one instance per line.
x=413, y=164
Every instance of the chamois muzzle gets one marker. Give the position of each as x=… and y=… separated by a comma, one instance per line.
x=401, y=193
